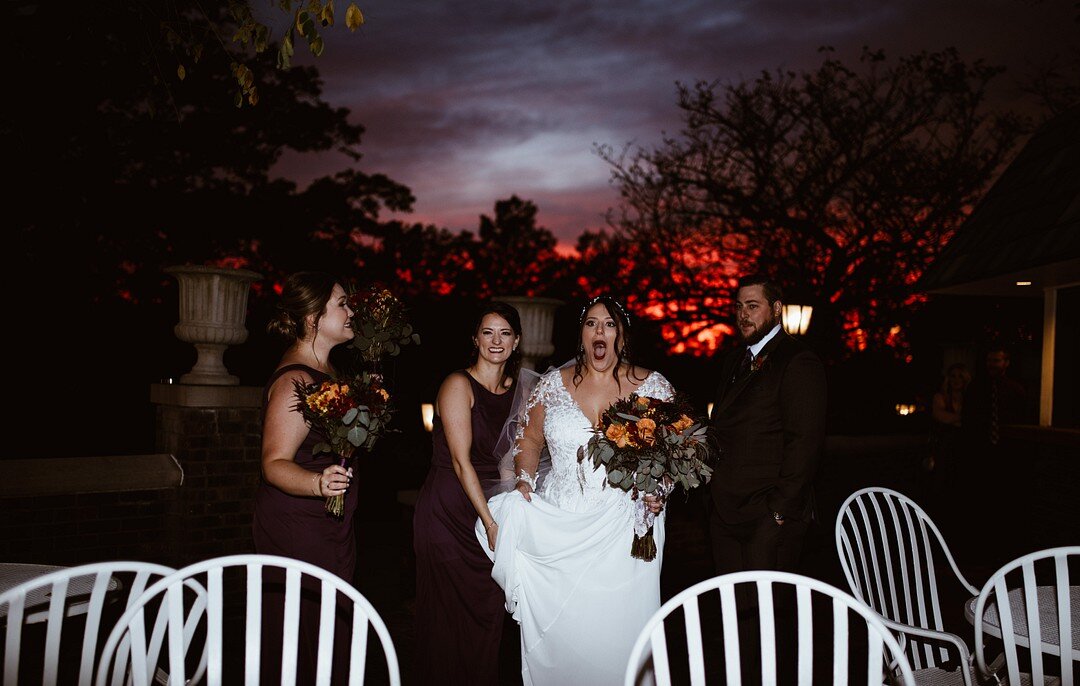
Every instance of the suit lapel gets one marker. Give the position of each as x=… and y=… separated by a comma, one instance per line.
x=733, y=390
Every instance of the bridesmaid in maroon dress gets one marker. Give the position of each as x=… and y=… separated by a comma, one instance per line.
x=290, y=513
x=459, y=607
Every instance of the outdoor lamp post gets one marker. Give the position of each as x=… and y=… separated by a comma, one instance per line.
x=796, y=318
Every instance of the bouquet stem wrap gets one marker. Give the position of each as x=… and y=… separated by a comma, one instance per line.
x=644, y=547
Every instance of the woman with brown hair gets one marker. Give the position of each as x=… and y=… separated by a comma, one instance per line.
x=459, y=607
x=290, y=513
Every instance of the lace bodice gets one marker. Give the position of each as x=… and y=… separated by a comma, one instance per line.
x=570, y=485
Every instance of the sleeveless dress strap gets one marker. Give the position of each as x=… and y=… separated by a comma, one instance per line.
x=315, y=373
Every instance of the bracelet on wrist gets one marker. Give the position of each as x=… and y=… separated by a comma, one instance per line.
x=491, y=524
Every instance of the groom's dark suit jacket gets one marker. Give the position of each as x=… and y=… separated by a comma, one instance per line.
x=769, y=426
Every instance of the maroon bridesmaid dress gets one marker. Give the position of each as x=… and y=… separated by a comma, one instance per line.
x=459, y=607
x=300, y=527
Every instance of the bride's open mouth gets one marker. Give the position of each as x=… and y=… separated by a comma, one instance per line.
x=599, y=349
x=496, y=351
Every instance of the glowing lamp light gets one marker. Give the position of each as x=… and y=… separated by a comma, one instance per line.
x=1023, y=283
x=708, y=410
x=427, y=413
x=796, y=318
x=904, y=409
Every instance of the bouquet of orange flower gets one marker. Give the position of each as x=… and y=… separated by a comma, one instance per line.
x=350, y=413
x=649, y=446
x=379, y=323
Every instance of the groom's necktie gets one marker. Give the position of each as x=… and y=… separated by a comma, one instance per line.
x=744, y=367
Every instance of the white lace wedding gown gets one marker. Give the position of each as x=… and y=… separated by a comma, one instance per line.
x=564, y=558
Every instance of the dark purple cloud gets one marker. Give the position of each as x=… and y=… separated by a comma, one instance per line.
x=470, y=102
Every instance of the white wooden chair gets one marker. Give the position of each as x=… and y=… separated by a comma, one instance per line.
x=818, y=607
x=51, y=598
x=245, y=581
x=1030, y=603
x=889, y=550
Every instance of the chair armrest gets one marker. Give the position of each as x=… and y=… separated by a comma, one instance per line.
x=938, y=636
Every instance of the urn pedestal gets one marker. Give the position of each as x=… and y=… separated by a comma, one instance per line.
x=213, y=306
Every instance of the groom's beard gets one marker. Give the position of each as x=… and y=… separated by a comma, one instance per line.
x=760, y=332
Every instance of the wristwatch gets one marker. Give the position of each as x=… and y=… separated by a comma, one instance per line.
x=777, y=516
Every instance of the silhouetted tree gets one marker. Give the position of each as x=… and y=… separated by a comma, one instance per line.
x=517, y=257
x=843, y=181
x=106, y=192
x=102, y=176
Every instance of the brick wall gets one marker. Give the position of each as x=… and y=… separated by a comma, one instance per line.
x=88, y=527
x=219, y=449
x=209, y=515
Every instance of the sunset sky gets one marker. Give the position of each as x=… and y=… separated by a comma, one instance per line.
x=470, y=102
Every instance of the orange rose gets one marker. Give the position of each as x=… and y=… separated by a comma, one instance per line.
x=618, y=434
x=645, y=430
x=683, y=423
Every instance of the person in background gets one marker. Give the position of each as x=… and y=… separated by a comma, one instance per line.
x=946, y=408
x=459, y=607
x=991, y=401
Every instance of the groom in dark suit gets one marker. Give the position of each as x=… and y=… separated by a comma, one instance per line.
x=768, y=422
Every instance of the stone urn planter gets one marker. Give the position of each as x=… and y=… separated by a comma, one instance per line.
x=537, y=325
x=213, y=306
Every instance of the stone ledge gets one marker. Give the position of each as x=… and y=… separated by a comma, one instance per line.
x=187, y=395
x=72, y=475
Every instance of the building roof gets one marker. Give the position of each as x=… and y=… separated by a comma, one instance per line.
x=1026, y=228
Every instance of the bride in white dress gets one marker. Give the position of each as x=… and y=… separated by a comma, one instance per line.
x=562, y=554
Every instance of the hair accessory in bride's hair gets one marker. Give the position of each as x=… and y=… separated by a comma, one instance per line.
x=604, y=298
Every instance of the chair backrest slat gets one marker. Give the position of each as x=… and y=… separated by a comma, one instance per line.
x=1031, y=616
x=174, y=599
x=767, y=623
x=729, y=614
x=252, y=625
x=214, y=620
x=695, y=646
x=13, y=640
x=55, y=624
x=357, y=672
x=326, y=633
x=840, y=643
x=1063, y=600
x=658, y=641
x=805, y=615
x=291, y=628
